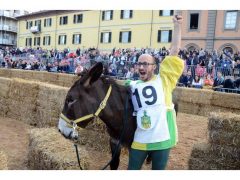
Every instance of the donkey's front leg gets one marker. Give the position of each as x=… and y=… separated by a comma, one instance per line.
x=116, y=151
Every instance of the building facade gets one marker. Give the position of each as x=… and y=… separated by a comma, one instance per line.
x=211, y=29
x=8, y=27
x=59, y=29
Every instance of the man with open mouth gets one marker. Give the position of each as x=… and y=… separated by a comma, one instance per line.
x=156, y=131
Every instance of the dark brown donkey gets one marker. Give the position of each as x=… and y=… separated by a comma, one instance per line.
x=85, y=97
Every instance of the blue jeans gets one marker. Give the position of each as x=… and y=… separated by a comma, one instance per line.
x=137, y=157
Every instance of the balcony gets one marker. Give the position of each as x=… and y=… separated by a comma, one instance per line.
x=35, y=29
x=9, y=14
x=8, y=28
x=8, y=42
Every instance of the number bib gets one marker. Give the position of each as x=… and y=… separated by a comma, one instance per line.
x=147, y=94
x=149, y=102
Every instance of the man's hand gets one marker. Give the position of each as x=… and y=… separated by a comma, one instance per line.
x=176, y=40
x=177, y=20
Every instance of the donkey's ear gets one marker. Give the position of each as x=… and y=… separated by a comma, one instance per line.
x=93, y=74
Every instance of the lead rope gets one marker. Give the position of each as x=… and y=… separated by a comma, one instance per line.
x=75, y=137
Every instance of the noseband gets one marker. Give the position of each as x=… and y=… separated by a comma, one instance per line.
x=86, y=117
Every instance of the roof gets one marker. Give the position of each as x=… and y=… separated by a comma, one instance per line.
x=44, y=13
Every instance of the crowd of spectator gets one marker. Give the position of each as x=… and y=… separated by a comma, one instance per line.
x=203, y=69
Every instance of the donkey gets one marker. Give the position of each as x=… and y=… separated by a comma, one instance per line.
x=83, y=101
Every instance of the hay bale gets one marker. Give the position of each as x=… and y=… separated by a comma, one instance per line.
x=204, y=158
x=49, y=104
x=226, y=100
x=197, y=96
x=226, y=152
x=3, y=161
x=95, y=136
x=221, y=137
x=22, y=100
x=228, y=122
x=4, y=91
x=48, y=149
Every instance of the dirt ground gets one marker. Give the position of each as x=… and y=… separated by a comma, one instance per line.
x=192, y=129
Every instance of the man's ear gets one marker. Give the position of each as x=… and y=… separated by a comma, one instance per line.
x=93, y=74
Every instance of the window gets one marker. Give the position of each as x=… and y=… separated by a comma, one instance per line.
x=194, y=18
x=126, y=14
x=231, y=20
x=38, y=23
x=62, y=39
x=125, y=37
x=47, y=40
x=48, y=22
x=63, y=20
x=76, y=39
x=107, y=15
x=77, y=18
x=166, y=13
x=106, y=37
x=164, y=36
x=28, y=42
x=37, y=41
x=29, y=24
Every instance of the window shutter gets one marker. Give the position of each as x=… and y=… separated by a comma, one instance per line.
x=30, y=42
x=44, y=22
x=160, y=13
x=159, y=36
x=101, y=39
x=103, y=14
x=80, y=38
x=65, y=39
x=74, y=19
x=31, y=23
x=60, y=21
x=129, y=36
x=171, y=13
x=35, y=23
x=49, y=43
x=35, y=41
x=50, y=21
x=110, y=37
x=73, y=39
x=59, y=38
x=120, y=37
x=170, y=36
x=39, y=42
x=26, y=41
x=26, y=25
x=111, y=16
x=81, y=18
x=131, y=13
x=121, y=14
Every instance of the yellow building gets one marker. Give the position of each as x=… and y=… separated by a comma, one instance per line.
x=59, y=29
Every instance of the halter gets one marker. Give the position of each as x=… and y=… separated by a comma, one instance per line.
x=86, y=117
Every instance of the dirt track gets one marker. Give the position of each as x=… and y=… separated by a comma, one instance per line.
x=192, y=129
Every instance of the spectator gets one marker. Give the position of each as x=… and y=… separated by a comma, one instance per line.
x=208, y=81
x=197, y=82
x=183, y=80
x=218, y=81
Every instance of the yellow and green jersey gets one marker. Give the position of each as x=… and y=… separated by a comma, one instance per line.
x=170, y=70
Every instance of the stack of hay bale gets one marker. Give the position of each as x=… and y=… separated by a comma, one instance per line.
x=223, y=148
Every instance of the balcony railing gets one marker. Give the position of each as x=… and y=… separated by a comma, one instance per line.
x=8, y=42
x=10, y=14
x=8, y=28
x=35, y=29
